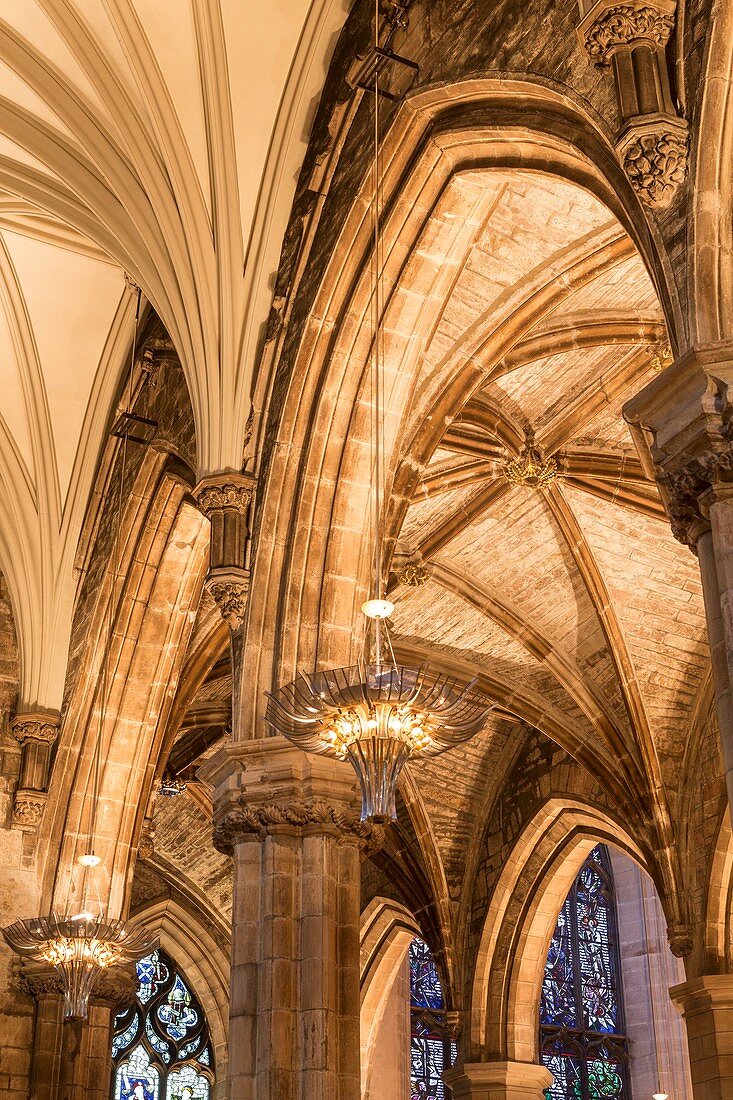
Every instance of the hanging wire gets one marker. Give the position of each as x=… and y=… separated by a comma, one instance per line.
x=104, y=687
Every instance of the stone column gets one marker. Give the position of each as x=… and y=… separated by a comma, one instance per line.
x=498, y=1081
x=72, y=1060
x=226, y=500
x=36, y=734
x=291, y=823
x=686, y=414
x=631, y=39
x=706, y=1005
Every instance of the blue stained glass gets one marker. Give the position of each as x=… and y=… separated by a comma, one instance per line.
x=581, y=1018
x=161, y=1046
x=176, y=1014
x=557, y=1006
x=431, y=1050
x=425, y=988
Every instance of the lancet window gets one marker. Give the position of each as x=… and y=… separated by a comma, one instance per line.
x=431, y=1050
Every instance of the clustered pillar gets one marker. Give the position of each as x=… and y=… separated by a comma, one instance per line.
x=686, y=416
x=291, y=823
x=71, y=1058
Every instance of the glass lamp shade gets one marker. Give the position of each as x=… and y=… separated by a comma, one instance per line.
x=377, y=716
x=80, y=948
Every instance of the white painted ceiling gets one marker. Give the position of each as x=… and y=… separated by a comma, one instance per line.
x=162, y=138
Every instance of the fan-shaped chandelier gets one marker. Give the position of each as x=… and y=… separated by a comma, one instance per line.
x=377, y=714
x=82, y=946
x=78, y=947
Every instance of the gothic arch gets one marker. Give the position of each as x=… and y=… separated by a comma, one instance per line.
x=316, y=482
x=190, y=942
x=387, y=930
x=520, y=921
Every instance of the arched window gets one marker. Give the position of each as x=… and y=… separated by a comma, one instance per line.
x=582, y=1036
x=431, y=1051
x=161, y=1049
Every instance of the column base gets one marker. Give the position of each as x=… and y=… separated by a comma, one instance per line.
x=498, y=1081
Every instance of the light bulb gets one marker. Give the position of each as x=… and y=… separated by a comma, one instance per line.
x=90, y=860
x=377, y=609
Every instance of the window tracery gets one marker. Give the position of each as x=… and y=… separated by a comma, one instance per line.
x=431, y=1050
x=161, y=1047
x=582, y=1039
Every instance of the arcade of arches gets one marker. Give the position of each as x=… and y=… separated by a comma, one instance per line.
x=557, y=240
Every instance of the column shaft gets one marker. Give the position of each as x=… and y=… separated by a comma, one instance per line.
x=294, y=1016
x=720, y=636
x=706, y=1005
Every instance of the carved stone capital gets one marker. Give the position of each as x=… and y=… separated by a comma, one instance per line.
x=115, y=987
x=688, y=484
x=680, y=940
x=625, y=25
x=28, y=808
x=229, y=491
x=245, y=822
x=229, y=587
x=43, y=728
x=653, y=153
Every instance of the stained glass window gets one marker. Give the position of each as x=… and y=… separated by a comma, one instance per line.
x=582, y=1036
x=161, y=1048
x=431, y=1050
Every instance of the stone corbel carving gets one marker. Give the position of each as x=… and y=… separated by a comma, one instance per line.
x=36, y=734
x=226, y=501
x=631, y=38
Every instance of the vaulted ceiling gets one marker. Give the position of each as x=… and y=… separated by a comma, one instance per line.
x=162, y=139
x=572, y=604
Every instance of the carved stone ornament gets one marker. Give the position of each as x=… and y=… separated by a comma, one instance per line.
x=229, y=589
x=35, y=727
x=624, y=25
x=146, y=845
x=413, y=574
x=660, y=354
x=654, y=157
x=216, y=495
x=685, y=487
x=680, y=940
x=246, y=821
x=28, y=808
x=115, y=987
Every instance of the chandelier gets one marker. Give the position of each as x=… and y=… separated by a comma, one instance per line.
x=530, y=467
x=78, y=948
x=171, y=786
x=377, y=714
x=82, y=946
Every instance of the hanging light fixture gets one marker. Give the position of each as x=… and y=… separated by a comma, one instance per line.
x=171, y=786
x=377, y=714
x=82, y=946
x=530, y=467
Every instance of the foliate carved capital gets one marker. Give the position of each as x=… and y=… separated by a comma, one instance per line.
x=28, y=808
x=35, y=727
x=244, y=822
x=227, y=491
x=229, y=588
x=680, y=940
x=688, y=484
x=624, y=25
x=654, y=157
